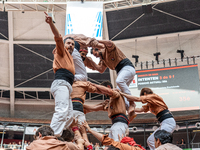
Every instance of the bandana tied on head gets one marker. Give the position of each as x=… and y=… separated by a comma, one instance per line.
x=83, y=50
x=131, y=142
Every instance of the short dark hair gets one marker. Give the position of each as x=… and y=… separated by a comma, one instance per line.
x=112, y=148
x=146, y=90
x=95, y=49
x=67, y=135
x=68, y=38
x=163, y=136
x=106, y=83
x=60, y=139
x=45, y=131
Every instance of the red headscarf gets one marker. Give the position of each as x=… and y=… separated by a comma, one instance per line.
x=131, y=142
x=83, y=50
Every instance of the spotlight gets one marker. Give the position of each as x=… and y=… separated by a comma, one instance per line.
x=182, y=53
x=134, y=129
x=157, y=54
x=136, y=58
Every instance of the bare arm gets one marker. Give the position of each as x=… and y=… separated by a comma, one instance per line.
x=92, y=108
x=84, y=135
x=99, y=136
x=104, y=90
x=55, y=32
x=101, y=67
x=52, y=26
x=77, y=135
x=131, y=97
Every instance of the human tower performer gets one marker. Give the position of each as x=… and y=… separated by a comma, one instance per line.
x=67, y=72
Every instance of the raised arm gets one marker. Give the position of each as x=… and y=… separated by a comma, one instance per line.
x=85, y=41
x=99, y=136
x=60, y=47
x=77, y=134
x=52, y=26
x=101, y=67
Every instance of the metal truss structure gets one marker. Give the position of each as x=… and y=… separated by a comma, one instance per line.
x=60, y=5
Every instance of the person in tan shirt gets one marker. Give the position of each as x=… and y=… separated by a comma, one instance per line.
x=163, y=140
x=105, y=140
x=116, y=110
x=78, y=98
x=45, y=140
x=156, y=106
x=113, y=58
x=61, y=87
x=81, y=41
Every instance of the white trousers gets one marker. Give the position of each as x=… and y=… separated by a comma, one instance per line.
x=80, y=116
x=168, y=125
x=118, y=128
x=124, y=78
x=63, y=116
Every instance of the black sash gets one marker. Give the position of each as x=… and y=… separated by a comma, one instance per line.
x=124, y=62
x=119, y=118
x=165, y=114
x=77, y=104
x=65, y=75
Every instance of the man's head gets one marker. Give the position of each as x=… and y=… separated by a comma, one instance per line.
x=44, y=131
x=83, y=52
x=162, y=137
x=146, y=91
x=69, y=44
x=107, y=84
x=95, y=52
x=67, y=135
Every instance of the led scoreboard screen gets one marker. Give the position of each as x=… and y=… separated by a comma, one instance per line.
x=178, y=86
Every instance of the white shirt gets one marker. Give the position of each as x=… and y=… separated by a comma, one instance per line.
x=80, y=70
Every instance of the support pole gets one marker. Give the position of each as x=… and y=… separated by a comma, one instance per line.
x=144, y=136
x=4, y=126
x=24, y=125
x=188, y=142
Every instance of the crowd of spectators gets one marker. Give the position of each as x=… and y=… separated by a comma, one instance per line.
x=75, y=138
x=16, y=146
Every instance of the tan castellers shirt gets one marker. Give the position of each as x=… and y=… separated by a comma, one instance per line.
x=168, y=146
x=51, y=143
x=80, y=88
x=116, y=104
x=155, y=103
x=108, y=141
x=62, y=58
x=111, y=56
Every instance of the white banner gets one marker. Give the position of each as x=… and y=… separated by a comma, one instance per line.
x=31, y=130
x=85, y=18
